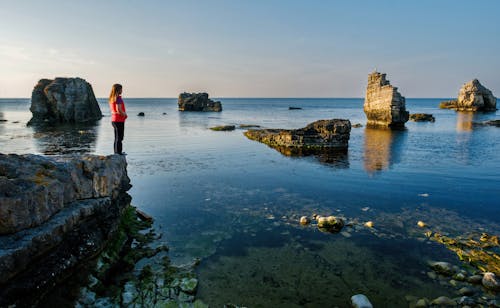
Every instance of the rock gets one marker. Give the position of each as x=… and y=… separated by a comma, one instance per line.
x=421, y=303
x=448, y=104
x=421, y=224
x=141, y=114
x=369, y=224
x=357, y=125
x=294, y=108
x=249, y=126
x=432, y=275
x=443, y=301
x=384, y=105
x=422, y=117
x=64, y=100
x=322, y=134
x=304, y=220
x=360, y=301
x=330, y=223
x=459, y=276
x=189, y=285
x=197, y=102
x=466, y=291
x=67, y=208
x=443, y=268
x=475, y=279
x=223, y=128
x=473, y=96
x=492, y=123
x=33, y=188
x=490, y=281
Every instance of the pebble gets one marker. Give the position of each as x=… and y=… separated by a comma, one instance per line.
x=444, y=268
x=466, y=291
x=476, y=279
x=432, y=275
x=304, y=220
x=490, y=281
x=360, y=301
x=421, y=303
x=459, y=276
x=454, y=282
x=443, y=301
x=369, y=224
x=189, y=285
x=345, y=234
x=421, y=224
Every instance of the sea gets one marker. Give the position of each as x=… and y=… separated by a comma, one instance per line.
x=234, y=204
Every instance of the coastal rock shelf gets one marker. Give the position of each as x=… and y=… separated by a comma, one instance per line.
x=317, y=136
x=54, y=214
x=197, y=102
x=473, y=96
x=384, y=105
x=64, y=100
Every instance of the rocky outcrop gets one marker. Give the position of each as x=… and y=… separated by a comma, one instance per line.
x=322, y=134
x=64, y=100
x=473, y=96
x=55, y=213
x=197, y=102
x=384, y=105
x=422, y=117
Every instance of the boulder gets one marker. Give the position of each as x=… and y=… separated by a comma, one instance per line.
x=197, y=102
x=384, y=105
x=473, y=96
x=360, y=301
x=55, y=214
x=319, y=135
x=422, y=117
x=64, y=100
x=34, y=188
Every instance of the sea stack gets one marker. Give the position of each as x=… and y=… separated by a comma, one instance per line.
x=473, y=96
x=64, y=100
x=197, y=102
x=384, y=105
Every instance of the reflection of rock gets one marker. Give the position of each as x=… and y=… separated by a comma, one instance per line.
x=338, y=158
x=473, y=96
x=464, y=121
x=66, y=208
x=382, y=148
x=64, y=100
x=197, y=102
x=65, y=138
x=384, y=105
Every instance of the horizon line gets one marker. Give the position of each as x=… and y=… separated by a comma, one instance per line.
x=248, y=97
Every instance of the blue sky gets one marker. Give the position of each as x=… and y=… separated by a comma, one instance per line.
x=258, y=48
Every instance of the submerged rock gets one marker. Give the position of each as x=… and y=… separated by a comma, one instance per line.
x=444, y=301
x=490, y=281
x=223, y=128
x=197, y=102
x=64, y=100
x=322, y=134
x=360, y=301
x=304, y=220
x=384, y=105
x=473, y=96
x=443, y=268
x=330, y=223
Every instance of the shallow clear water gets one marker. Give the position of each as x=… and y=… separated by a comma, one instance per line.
x=235, y=203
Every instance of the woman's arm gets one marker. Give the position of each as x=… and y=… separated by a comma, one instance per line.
x=121, y=111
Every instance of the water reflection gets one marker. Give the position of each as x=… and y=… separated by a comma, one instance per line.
x=383, y=147
x=66, y=138
x=464, y=121
x=337, y=158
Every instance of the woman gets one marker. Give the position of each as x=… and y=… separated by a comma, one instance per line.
x=118, y=116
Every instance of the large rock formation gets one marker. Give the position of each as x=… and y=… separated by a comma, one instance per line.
x=64, y=100
x=319, y=135
x=473, y=96
x=55, y=213
x=197, y=102
x=384, y=105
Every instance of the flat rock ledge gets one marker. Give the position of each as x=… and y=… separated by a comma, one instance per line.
x=55, y=213
x=319, y=135
x=197, y=102
x=63, y=100
x=384, y=106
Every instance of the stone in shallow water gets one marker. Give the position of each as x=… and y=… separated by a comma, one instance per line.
x=189, y=285
x=443, y=301
x=443, y=268
x=490, y=281
x=360, y=301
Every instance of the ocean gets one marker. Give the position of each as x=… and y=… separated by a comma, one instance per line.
x=234, y=203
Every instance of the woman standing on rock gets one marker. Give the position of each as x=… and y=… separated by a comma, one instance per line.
x=118, y=116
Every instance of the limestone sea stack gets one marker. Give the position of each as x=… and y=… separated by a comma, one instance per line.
x=54, y=214
x=319, y=135
x=384, y=105
x=64, y=100
x=197, y=102
x=473, y=96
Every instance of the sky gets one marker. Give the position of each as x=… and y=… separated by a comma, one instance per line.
x=250, y=48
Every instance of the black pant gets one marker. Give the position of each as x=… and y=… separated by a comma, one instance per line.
x=119, y=131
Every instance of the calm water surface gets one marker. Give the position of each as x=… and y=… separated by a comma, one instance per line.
x=235, y=203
